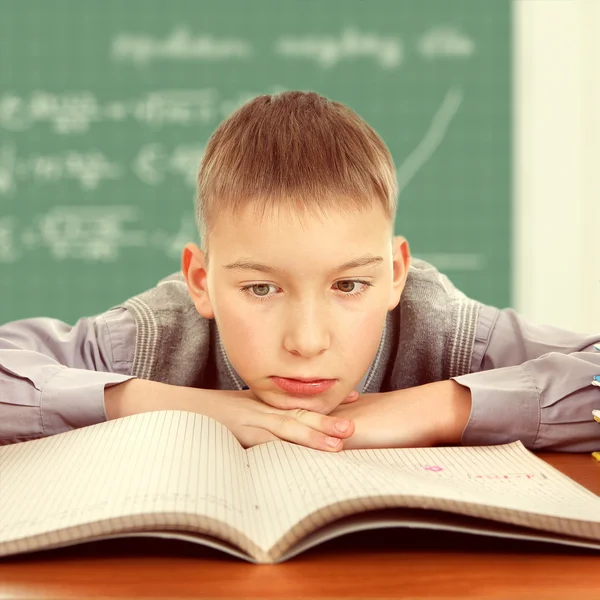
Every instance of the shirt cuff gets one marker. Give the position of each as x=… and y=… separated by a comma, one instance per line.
x=505, y=407
x=486, y=321
x=74, y=398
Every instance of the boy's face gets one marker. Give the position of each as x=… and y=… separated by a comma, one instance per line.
x=306, y=319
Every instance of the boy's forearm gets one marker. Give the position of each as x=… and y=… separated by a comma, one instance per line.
x=140, y=395
x=454, y=411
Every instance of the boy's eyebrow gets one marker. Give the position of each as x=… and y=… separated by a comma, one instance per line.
x=248, y=265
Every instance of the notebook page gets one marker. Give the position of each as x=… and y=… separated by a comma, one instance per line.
x=301, y=489
x=146, y=464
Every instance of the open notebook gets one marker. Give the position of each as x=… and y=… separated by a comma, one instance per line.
x=183, y=475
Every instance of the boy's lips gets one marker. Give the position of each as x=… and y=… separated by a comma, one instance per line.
x=303, y=386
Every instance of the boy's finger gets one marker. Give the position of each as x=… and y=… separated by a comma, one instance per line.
x=325, y=424
x=296, y=427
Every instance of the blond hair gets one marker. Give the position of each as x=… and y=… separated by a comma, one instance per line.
x=295, y=150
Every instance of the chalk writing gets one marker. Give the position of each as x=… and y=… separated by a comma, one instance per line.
x=8, y=250
x=70, y=112
x=7, y=168
x=89, y=233
x=176, y=107
x=445, y=41
x=329, y=50
x=87, y=168
x=74, y=112
x=432, y=138
x=228, y=105
x=173, y=244
x=180, y=44
x=154, y=162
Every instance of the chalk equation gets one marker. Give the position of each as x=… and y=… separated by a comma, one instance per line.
x=324, y=50
x=88, y=168
x=89, y=234
x=152, y=164
x=76, y=111
x=99, y=233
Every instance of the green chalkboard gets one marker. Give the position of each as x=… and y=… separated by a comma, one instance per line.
x=105, y=108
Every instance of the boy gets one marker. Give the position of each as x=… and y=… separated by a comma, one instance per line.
x=300, y=296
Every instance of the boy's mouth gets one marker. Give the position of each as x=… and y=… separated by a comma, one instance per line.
x=303, y=387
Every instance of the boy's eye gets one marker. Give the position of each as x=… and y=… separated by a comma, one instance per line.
x=348, y=287
x=261, y=289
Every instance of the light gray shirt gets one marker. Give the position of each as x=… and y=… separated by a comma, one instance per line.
x=527, y=381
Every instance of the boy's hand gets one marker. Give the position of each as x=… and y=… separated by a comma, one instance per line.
x=254, y=422
x=426, y=415
x=251, y=420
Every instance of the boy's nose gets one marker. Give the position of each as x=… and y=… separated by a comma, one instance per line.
x=307, y=337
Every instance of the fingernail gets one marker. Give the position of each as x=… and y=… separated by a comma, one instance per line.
x=342, y=425
x=353, y=395
x=333, y=442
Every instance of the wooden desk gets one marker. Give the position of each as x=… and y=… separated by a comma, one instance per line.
x=398, y=564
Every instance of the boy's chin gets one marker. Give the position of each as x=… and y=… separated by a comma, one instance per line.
x=290, y=402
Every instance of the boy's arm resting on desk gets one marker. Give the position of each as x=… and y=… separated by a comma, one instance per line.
x=53, y=375
x=53, y=379
x=527, y=382
x=532, y=382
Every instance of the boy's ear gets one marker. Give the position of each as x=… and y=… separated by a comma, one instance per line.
x=194, y=270
x=400, y=264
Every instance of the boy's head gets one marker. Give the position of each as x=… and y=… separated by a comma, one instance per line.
x=301, y=185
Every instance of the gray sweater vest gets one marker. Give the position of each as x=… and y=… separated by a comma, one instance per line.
x=428, y=337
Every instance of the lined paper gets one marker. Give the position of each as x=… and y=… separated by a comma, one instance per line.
x=172, y=470
x=506, y=483
x=134, y=470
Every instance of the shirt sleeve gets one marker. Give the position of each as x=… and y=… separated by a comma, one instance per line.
x=53, y=375
x=532, y=383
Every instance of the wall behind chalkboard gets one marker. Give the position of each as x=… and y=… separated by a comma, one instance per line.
x=105, y=108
